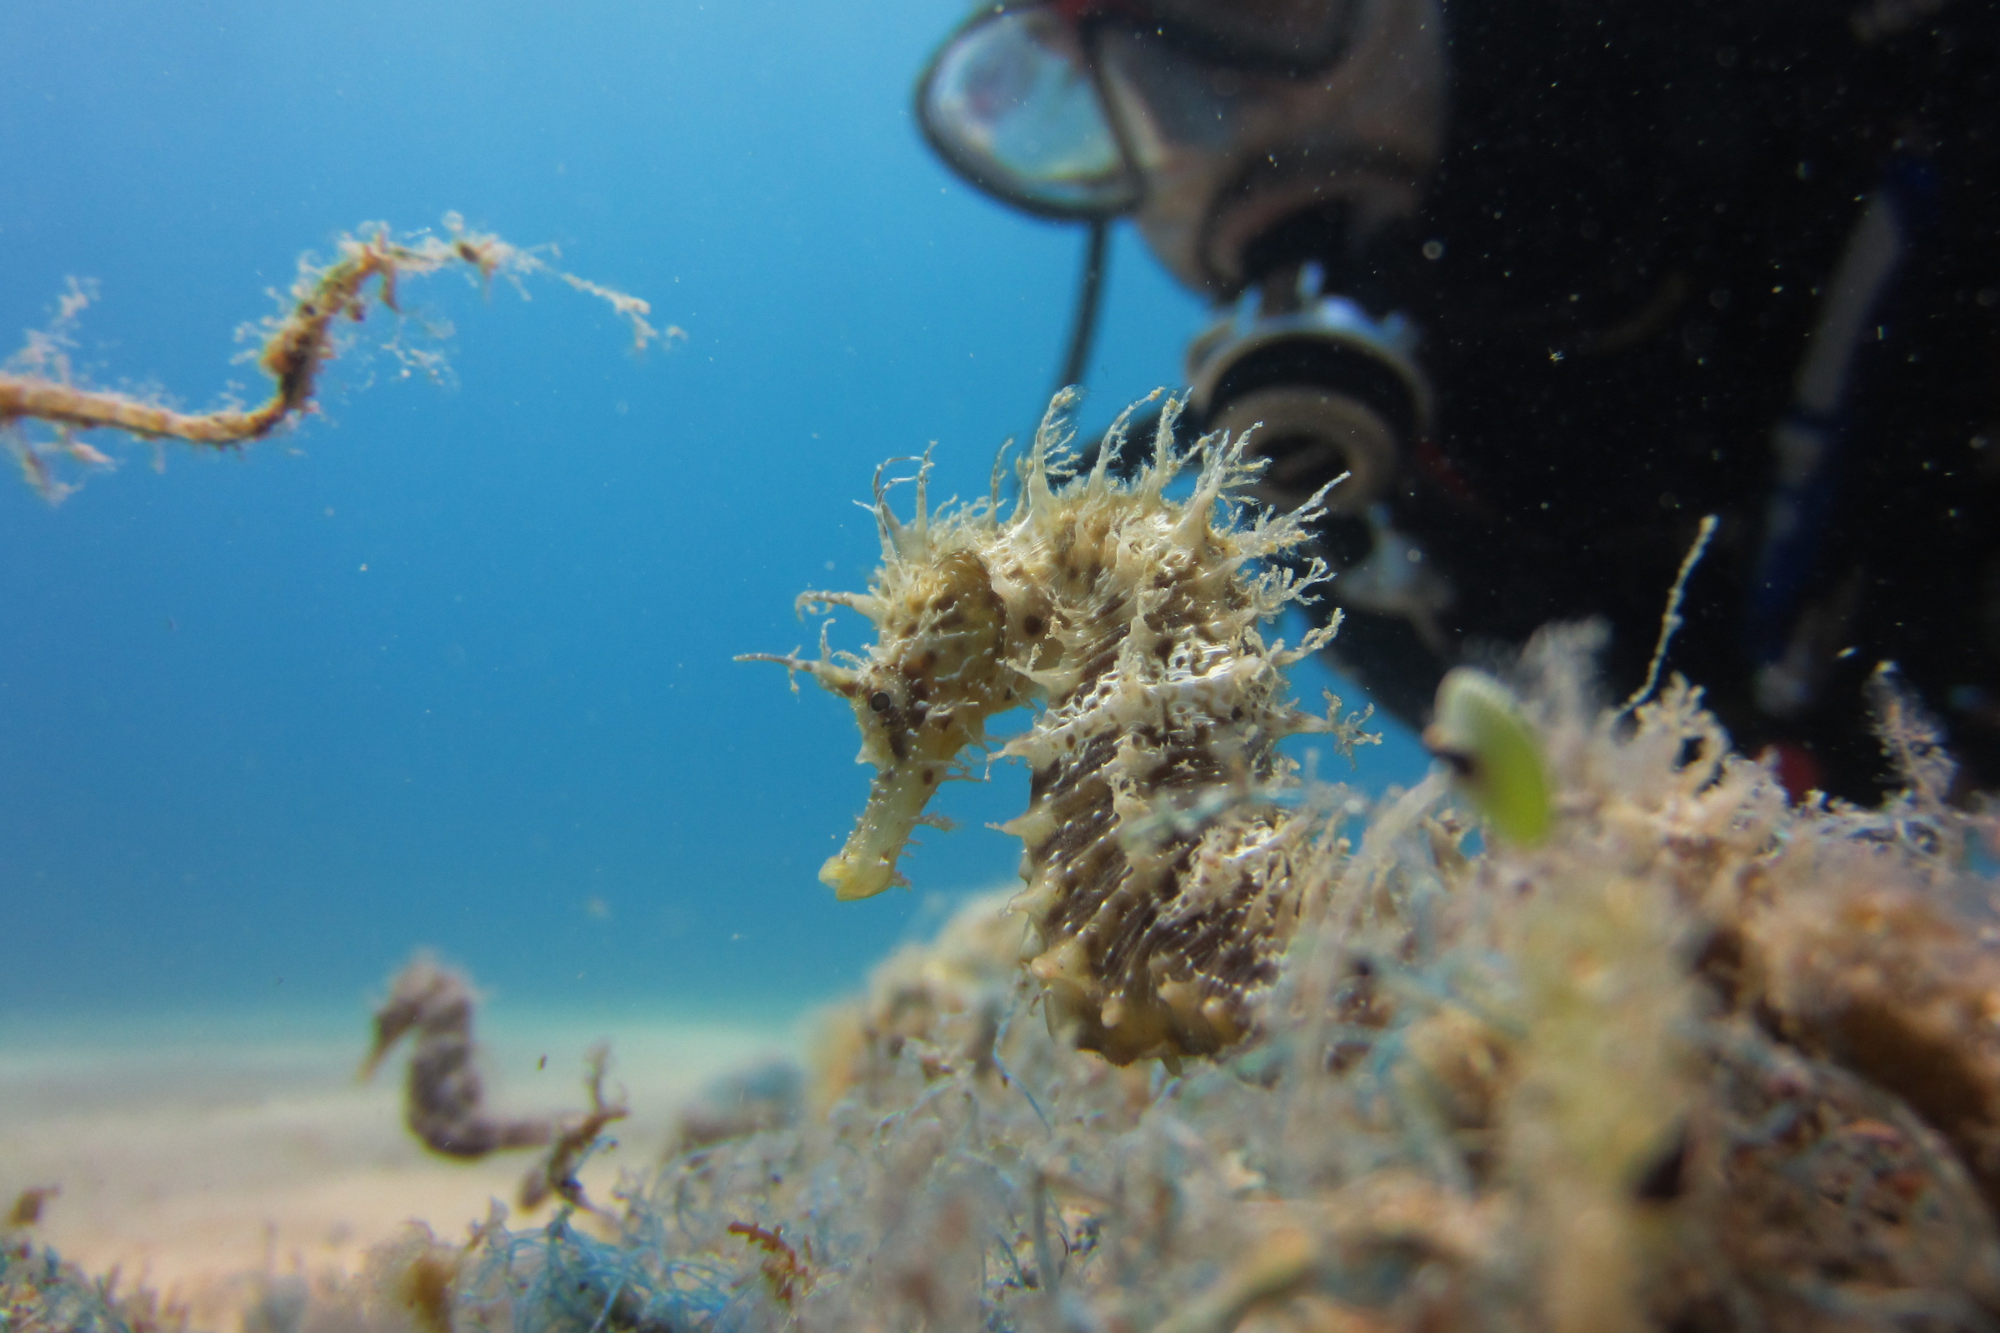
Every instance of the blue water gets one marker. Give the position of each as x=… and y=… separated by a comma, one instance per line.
x=451, y=666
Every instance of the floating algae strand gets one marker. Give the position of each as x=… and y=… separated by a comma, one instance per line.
x=35, y=385
x=1695, y=1057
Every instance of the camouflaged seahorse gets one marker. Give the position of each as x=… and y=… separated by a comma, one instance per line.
x=1129, y=621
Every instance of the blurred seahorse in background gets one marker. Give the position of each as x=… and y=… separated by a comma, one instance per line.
x=1128, y=620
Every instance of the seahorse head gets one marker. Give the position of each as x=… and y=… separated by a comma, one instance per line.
x=942, y=663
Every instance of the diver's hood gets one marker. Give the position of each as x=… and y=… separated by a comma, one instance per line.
x=1209, y=122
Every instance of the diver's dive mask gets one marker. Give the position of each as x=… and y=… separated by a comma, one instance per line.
x=1011, y=100
x=1010, y=104
x=1208, y=120
x=1257, y=145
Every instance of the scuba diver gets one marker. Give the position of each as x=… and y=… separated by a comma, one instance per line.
x=1553, y=281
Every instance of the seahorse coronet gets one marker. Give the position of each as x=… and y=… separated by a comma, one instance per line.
x=1128, y=621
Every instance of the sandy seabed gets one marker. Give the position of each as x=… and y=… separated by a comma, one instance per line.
x=192, y=1154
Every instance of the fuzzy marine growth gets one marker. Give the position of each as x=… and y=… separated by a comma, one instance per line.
x=1156, y=866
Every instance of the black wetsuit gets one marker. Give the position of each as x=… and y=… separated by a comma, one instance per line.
x=1642, y=213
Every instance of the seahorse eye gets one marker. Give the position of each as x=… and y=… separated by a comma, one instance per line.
x=879, y=701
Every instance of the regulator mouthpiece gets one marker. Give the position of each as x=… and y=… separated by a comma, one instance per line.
x=1329, y=389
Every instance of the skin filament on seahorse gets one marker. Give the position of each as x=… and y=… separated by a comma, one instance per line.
x=1128, y=620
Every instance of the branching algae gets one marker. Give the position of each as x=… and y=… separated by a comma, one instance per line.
x=1129, y=619
x=36, y=384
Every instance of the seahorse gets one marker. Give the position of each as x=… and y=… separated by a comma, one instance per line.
x=1128, y=620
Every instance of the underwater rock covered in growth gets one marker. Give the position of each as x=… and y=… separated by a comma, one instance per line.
x=1129, y=620
x=1691, y=1057
x=1669, y=1052
x=1697, y=1059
